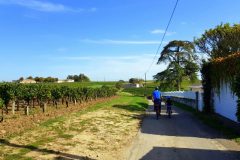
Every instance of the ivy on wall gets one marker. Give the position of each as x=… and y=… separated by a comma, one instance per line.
x=207, y=87
x=220, y=71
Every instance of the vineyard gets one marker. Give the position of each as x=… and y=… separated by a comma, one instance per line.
x=32, y=96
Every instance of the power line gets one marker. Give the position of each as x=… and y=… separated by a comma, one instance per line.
x=175, y=6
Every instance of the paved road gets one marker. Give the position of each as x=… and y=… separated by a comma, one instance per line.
x=182, y=137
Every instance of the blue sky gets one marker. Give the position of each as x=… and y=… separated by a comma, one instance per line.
x=115, y=39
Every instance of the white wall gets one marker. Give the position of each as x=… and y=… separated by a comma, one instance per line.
x=182, y=94
x=225, y=104
x=188, y=95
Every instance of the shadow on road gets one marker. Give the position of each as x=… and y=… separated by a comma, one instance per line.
x=188, y=154
x=182, y=124
x=60, y=155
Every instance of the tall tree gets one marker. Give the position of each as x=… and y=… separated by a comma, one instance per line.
x=136, y=80
x=79, y=78
x=83, y=78
x=221, y=41
x=181, y=57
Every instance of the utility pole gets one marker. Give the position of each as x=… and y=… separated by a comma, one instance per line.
x=145, y=94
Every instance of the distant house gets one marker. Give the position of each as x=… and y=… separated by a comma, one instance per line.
x=130, y=85
x=28, y=81
x=196, y=88
x=65, y=80
x=60, y=81
x=69, y=80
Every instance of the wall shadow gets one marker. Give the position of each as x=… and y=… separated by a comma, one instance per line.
x=172, y=153
x=60, y=155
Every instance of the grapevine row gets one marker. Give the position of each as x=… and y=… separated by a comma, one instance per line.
x=11, y=94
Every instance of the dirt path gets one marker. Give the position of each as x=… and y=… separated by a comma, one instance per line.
x=178, y=138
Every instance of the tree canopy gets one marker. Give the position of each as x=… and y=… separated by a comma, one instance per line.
x=79, y=78
x=135, y=80
x=181, y=59
x=220, y=41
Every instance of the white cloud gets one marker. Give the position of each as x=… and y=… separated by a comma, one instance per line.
x=119, y=42
x=161, y=31
x=44, y=6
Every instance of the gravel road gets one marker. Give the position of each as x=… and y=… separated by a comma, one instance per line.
x=182, y=137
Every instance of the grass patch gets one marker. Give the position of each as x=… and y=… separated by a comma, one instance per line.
x=213, y=121
x=16, y=156
x=66, y=136
x=51, y=122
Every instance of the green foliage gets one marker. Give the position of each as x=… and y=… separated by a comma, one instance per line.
x=222, y=45
x=49, y=80
x=1, y=103
x=221, y=41
x=142, y=91
x=119, y=85
x=44, y=93
x=135, y=80
x=139, y=91
x=40, y=79
x=220, y=71
x=79, y=78
x=180, y=56
x=56, y=93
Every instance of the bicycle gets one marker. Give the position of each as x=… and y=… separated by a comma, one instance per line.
x=169, y=111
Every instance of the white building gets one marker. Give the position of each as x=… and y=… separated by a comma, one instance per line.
x=28, y=81
x=130, y=85
x=65, y=80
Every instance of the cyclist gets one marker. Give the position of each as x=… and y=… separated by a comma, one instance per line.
x=156, y=97
x=169, y=106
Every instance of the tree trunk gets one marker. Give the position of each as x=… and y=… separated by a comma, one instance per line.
x=75, y=102
x=44, y=107
x=56, y=104
x=33, y=103
x=178, y=85
x=13, y=107
x=66, y=103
